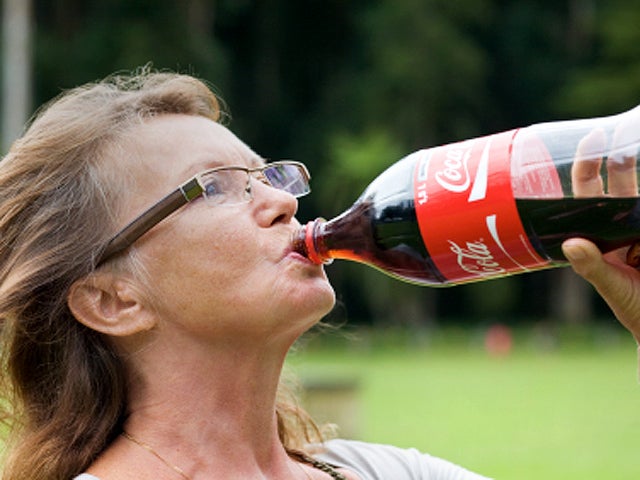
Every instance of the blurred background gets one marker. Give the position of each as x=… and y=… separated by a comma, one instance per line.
x=350, y=87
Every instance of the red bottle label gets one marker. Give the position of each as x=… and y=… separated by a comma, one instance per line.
x=467, y=212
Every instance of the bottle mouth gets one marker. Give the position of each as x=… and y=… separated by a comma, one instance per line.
x=310, y=243
x=305, y=241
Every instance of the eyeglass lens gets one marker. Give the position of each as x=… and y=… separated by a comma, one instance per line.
x=287, y=177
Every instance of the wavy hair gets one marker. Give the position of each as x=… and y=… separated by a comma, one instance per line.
x=63, y=391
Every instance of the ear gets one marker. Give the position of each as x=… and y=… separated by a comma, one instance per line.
x=109, y=304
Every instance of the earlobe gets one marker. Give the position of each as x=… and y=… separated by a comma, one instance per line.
x=109, y=305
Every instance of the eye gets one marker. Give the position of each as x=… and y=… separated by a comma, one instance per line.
x=212, y=188
x=226, y=187
x=216, y=188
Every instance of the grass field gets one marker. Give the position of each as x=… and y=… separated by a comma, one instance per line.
x=562, y=410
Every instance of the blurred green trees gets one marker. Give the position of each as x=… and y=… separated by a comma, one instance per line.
x=350, y=87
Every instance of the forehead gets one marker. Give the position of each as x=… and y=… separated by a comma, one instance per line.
x=182, y=145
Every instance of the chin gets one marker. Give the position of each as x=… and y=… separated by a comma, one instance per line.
x=328, y=296
x=317, y=303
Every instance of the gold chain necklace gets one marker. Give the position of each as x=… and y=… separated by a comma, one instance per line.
x=302, y=458
x=150, y=449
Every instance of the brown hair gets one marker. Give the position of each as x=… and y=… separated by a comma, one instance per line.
x=63, y=384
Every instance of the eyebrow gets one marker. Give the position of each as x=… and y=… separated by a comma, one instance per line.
x=257, y=161
x=196, y=168
x=209, y=164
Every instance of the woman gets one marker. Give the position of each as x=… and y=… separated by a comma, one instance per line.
x=149, y=295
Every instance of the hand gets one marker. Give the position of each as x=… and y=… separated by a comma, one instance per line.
x=613, y=275
x=617, y=282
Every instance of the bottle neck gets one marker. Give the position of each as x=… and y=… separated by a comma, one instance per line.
x=309, y=242
x=313, y=242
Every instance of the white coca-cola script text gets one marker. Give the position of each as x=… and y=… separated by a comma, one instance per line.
x=476, y=258
x=454, y=174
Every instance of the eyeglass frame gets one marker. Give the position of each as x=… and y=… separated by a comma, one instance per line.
x=181, y=196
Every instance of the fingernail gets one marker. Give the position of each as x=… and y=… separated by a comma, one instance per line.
x=573, y=252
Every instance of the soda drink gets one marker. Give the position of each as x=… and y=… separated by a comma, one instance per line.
x=492, y=206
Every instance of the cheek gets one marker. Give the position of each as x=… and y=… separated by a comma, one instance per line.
x=231, y=253
x=197, y=288
x=219, y=259
x=195, y=255
x=221, y=241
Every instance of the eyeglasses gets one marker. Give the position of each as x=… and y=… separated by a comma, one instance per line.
x=222, y=186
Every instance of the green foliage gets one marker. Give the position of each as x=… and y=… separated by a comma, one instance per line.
x=491, y=299
x=353, y=161
x=610, y=81
x=78, y=42
x=419, y=66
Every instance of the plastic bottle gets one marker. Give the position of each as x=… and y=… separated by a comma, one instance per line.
x=492, y=206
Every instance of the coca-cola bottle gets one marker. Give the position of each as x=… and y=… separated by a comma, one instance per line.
x=492, y=206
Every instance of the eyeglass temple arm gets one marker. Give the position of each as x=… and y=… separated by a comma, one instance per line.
x=151, y=217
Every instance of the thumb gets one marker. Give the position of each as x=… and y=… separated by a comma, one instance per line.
x=611, y=280
x=616, y=282
x=585, y=259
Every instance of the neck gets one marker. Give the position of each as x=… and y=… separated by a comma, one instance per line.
x=211, y=409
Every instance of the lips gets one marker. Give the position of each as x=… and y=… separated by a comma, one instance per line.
x=291, y=252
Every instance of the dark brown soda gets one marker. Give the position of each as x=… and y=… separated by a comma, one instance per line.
x=609, y=222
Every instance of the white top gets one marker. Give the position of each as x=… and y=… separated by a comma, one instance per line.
x=383, y=462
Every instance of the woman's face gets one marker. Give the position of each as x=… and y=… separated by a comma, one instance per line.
x=220, y=272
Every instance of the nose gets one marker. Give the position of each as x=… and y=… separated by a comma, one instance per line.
x=271, y=205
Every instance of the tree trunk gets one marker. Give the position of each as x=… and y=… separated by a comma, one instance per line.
x=16, y=81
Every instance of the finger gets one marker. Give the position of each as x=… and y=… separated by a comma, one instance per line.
x=584, y=257
x=613, y=281
x=617, y=283
x=586, y=180
x=621, y=164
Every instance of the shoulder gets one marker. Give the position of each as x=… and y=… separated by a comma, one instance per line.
x=379, y=462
